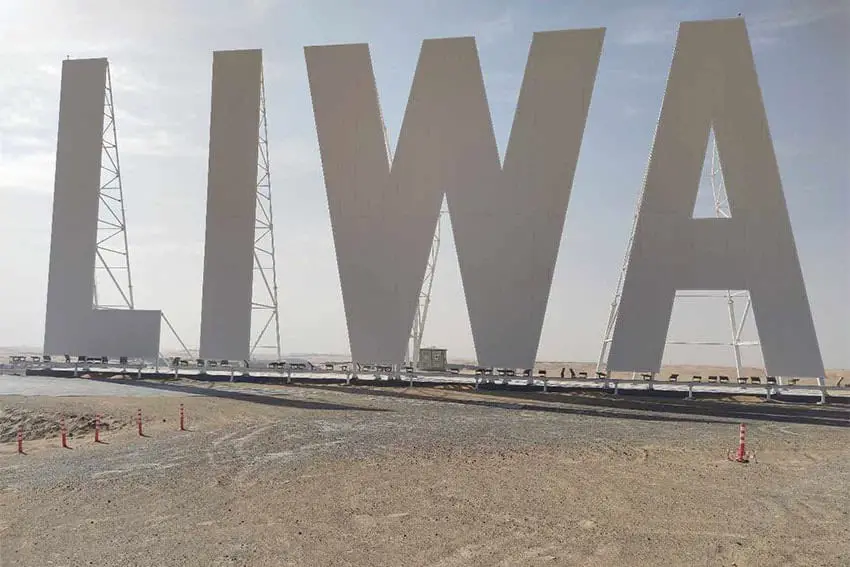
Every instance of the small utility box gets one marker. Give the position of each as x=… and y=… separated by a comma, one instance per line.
x=432, y=359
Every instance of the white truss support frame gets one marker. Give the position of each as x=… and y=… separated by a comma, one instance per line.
x=265, y=266
x=111, y=251
x=189, y=354
x=721, y=210
x=422, y=306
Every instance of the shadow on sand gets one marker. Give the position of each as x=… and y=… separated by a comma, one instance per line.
x=623, y=407
x=636, y=405
x=239, y=396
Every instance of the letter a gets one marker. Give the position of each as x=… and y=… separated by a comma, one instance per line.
x=507, y=221
x=713, y=82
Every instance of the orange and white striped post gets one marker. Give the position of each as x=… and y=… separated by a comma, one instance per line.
x=741, y=456
x=97, y=429
x=20, y=440
x=139, y=422
x=182, y=417
x=742, y=443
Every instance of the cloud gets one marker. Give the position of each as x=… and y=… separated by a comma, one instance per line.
x=648, y=35
x=655, y=25
x=159, y=143
x=21, y=116
x=30, y=171
x=494, y=30
x=503, y=86
x=294, y=157
x=86, y=28
x=766, y=28
x=646, y=26
x=630, y=110
x=635, y=75
x=129, y=80
x=27, y=132
x=261, y=8
x=29, y=101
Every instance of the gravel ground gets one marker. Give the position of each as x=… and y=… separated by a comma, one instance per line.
x=358, y=476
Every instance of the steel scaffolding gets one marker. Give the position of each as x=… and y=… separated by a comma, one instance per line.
x=265, y=302
x=424, y=302
x=113, y=282
x=112, y=259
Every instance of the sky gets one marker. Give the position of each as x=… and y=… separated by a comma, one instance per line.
x=160, y=56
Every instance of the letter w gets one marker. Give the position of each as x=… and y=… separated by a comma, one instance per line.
x=507, y=221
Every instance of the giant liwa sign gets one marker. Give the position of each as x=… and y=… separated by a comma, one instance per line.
x=507, y=217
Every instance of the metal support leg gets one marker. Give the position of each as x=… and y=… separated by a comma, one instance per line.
x=690, y=392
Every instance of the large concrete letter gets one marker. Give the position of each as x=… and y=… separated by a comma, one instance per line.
x=231, y=205
x=713, y=82
x=71, y=325
x=507, y=221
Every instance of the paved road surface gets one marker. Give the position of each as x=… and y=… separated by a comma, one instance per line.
x=45, y=386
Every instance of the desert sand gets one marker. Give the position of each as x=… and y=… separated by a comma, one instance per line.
x=335, y=475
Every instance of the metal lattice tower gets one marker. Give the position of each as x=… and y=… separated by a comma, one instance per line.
x=112, y=259
x=113, y=282
x=424, y=302
x=265, y=302
x=721, y=210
